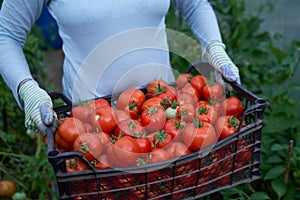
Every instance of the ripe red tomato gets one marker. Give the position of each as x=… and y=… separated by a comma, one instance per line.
x=104, y=119
x=232, y=106
x=158, y=155
x=73, y=165
x=153, y=118
x=131, y=95
x=198, y=82
x=226, y=125
x=160, y=139
x=183, y=79
x=124, y=152
x=186, y=112
x=130, y=127
x=168, y=96
x=178, y=149
x=186, y=98
x=193, y=92
x=121, y=115
x=83, y=113
x=7, y=188
x=68, y=131
x=199, y=135
x=104, y=137
x=154, y=101
x=207, y=113
x=174, y=127
x=96, y=103
x=89, y=145
x=212, y=91
x=156, y=87
x=133, y=110
x=144, y=144
x=89, y=128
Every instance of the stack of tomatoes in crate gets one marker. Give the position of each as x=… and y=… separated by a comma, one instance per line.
x=166, y=141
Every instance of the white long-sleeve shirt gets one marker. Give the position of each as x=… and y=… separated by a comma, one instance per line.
x=109, y=45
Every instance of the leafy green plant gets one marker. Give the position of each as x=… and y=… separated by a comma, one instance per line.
x=23, y=157
x=268, y=71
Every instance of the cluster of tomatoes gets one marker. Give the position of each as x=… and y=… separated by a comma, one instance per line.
x=162, y=122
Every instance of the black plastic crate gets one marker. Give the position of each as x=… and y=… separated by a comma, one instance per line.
x=230, y=162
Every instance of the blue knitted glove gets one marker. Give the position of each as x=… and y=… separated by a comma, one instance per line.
x=37, y=107
x=223, y=65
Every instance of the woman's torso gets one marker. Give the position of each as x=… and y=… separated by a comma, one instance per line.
x=111, y=45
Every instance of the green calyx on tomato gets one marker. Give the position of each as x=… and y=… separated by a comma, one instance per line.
x=152, y=111
x=132, y=105
x=159, y=89
x=232, y=121
x=132, y=124
x=160, y=137
x=179, y=125
x=71, y=163
x=84, y=148
x=202, y=110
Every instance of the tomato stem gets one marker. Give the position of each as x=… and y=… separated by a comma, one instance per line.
x=84, y=148
x=160, y=89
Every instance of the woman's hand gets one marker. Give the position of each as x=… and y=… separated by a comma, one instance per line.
x=37, y=106
x=223, y=65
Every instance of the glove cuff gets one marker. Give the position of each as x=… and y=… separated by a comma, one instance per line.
x=216, y=55
x=218, y=59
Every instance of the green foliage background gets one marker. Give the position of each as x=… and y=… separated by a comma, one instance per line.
x=266, y=70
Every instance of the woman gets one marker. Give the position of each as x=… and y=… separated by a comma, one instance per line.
x=109, y=45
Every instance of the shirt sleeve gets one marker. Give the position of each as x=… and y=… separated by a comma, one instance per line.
x=16, y=20
x=201, y=17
